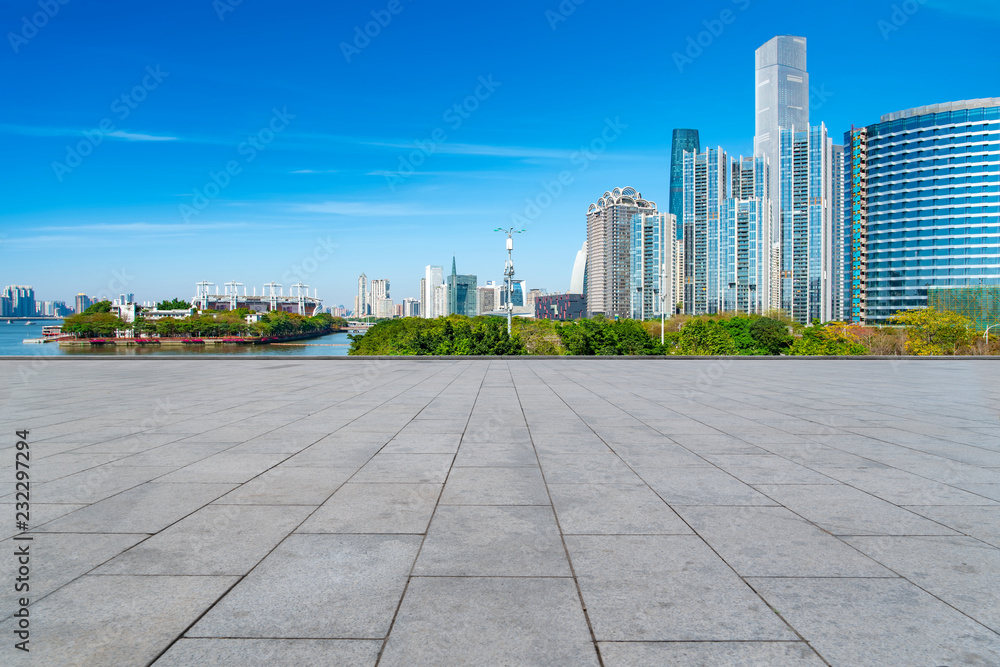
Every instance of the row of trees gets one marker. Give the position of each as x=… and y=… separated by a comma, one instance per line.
x=99, y=322
x=919, y=332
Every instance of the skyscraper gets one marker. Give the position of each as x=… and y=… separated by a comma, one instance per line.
x=433, y=277
x=461, y=293
x=653, y=238
x=782, y=100
x=924, y=205
x=683, y=140
x=361, y=299
x=705, y=189
x=19, y=301
x=381, y=301
x=840, y=240
x=609, y=226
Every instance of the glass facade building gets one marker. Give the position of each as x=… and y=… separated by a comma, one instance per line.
x=652, y=265
x=925, y=205
x=683, y=141
x=706, y=187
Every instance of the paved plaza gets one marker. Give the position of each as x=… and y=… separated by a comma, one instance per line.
x=504, y=512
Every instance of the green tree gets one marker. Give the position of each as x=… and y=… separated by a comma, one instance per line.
x=771, y=335
x=705, y=337
x=173, y=304
x=99, y=307
x=932, y=332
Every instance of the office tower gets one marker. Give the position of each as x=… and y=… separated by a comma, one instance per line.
x=653, y=239
x=924, y=206
x=609, y=225
x=461, y=293
x=705, y=189
x=806, y=224
x=411, y=308
x=746, y=239
x=578, y=282
x=361, y=299
x=782, y=100
x=683, y=141
x=434, y=278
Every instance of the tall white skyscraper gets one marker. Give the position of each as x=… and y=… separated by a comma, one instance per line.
x=361, y=308
x=433, y=277
x=609, y=226
x=654, y=237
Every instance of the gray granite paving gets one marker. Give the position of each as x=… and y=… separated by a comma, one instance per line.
x=507, y=512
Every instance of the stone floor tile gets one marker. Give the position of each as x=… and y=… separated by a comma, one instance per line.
x=495, y=486
x=708, y=654
x=667, y=588
x=215, y=540
x=489, y=454
x=268, y=652
x=289, y=485
x=148, y=508
x=774, y=542
x=700, y=486
x=490, y=621
x=614, y=509
x=113, y=620
x=586, y=469
x=983, y=523
x=878, y=622
x=226, y=468
x=375, y=508
x=962, y=571
x=843, y=510
x=499, y=541
x=317, y=587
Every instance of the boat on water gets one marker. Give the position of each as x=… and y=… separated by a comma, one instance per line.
x=28, y=322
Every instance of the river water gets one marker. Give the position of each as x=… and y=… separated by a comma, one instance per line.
x=12, y=336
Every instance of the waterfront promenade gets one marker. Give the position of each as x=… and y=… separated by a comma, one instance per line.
x=524, y=512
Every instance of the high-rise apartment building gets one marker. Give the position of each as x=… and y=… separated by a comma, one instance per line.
x=653, y=239
x=440, y=300
x=461, y=293
x=423, y=298
x=609, y=226
x=380, y=299
x=840, y=240
x=682, y=141
x=433, y=278
x=805, y=224
x=924, y=205
x=747, y=238
x=18, y=301
x=705, y=189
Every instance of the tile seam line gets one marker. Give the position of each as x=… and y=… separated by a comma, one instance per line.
x=437, y=503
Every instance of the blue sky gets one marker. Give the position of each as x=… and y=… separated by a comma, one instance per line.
x=153, y=145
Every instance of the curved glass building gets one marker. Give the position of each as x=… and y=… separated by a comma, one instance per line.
x=922, y=193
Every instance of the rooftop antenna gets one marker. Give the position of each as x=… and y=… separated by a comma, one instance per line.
x=508, y=273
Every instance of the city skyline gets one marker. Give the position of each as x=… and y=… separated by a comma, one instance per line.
x=325, y=196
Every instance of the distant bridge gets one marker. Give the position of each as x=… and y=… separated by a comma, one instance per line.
x=358, y=327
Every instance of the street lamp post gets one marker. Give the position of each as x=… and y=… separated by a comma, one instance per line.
x=508, y=274
x=987, y=334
